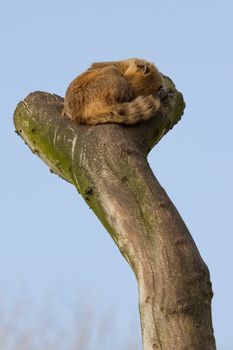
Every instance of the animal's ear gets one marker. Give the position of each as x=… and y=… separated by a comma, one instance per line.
x=143, y=67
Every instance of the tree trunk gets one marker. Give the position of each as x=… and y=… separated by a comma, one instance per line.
x=108, y=166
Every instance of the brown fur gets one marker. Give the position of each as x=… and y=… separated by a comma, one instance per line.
x=114, y=92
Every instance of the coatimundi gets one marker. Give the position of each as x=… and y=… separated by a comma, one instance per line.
x=121, y=92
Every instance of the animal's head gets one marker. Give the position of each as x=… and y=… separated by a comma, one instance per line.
x=143, y=76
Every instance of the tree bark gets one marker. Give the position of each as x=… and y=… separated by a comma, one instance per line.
x=108, y=166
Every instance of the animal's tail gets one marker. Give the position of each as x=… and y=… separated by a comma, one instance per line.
x=129, y=113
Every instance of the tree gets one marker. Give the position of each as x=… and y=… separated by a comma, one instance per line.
x=108, y=166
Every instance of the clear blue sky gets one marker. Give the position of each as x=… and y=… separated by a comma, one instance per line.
x=50, y=240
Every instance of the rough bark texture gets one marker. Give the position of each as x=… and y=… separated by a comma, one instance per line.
x=108, y=166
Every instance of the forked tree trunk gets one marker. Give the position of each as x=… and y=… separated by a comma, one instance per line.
x=108, y=166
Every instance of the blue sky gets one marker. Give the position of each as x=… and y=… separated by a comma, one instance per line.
x=50, y=240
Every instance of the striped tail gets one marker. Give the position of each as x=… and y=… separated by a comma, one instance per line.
x=129, y=113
